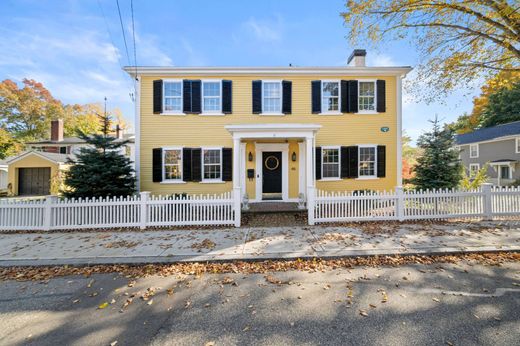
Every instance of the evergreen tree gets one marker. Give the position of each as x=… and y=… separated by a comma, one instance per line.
x=438, y=167
x=100, y=169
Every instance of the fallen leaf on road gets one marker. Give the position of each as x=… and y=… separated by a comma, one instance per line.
x=187, y=304
x=113, y=343
x=385, y=297
x=102, y=306
x=209, y=343
x=363, y=313
x=246, y=328
x=75, y=301
x=372, y=306
x=150, y=302
x=436, y=300
x=169, y=291
x=90, y=283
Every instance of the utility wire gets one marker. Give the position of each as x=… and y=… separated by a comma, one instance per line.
x=114, y=45
x=123, y=31
x=133, y=34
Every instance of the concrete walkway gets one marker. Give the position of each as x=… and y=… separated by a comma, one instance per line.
x=159, y=246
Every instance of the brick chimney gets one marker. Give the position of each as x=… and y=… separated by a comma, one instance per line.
x=57, y=130
x=357, y=58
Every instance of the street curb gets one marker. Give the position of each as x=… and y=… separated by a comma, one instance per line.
x=143, y=260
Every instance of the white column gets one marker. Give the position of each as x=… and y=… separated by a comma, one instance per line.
x=236, y=180
x=399, y=130
x=310, y=178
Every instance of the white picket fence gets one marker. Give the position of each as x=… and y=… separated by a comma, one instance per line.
x=486, y=202
x=132, y=211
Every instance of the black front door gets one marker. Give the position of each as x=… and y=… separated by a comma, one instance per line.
x=272, y=173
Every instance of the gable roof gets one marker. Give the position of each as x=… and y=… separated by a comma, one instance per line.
x=53, y=157
x=489, y=133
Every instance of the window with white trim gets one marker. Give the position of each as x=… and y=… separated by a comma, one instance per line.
x=330, y=163
x=172, y=164
x=474, y=168
x=211, y=96
x=271, y=97
x=367, y=161
x=329, y=97
x=473, y=151
x=212, y=164
x=172, y=96
x=367, y=96
x=505, y=172
x=517, y=146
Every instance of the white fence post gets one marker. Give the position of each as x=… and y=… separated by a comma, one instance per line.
x=237, y=205
x=47, y=212
x=311, y=200
x=144, y=197
x=487, y=200
x=399, y=203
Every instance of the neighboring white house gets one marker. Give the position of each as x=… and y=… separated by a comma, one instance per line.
x=3, y=175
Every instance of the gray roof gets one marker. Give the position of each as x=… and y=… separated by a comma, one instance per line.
x=488, y=133
x=59, y=158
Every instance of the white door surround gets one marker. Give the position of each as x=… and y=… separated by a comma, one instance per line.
x=259, y=149
x=256, y=132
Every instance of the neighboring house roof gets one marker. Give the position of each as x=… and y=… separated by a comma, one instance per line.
x=53, y=157
x=489, y=133
x=76, y=140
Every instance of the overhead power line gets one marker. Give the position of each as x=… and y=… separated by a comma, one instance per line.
x=123, y=31
x=133, y=34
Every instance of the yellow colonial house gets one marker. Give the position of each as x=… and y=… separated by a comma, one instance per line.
x=268, y=133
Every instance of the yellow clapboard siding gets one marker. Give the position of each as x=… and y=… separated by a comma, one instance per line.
x=208, y=130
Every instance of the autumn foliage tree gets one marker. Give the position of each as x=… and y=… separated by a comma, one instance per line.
x=458, y=41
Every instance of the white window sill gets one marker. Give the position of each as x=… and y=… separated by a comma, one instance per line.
x=212, y=182
x=367, y=178
x=330, y=113
x=212, y=114
x=367, y=112
x=172, y=113
x=273, y=114
x=173, y=182
x=330, y=179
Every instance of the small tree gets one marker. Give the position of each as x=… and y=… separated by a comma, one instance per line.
x=473, y=180
x=100, y=169
x=438, y=167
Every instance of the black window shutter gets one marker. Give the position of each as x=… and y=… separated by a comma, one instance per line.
x=381, y=96
x=352, y=96
x=227, y=164
x=196, y=173
x=344, y=96
x=157, y=96
x=186, y=96
x=318, y=163
x=257, y=96
x=381, y=161
x=344, y=162
x=227, y=97
x=196, y=100
x=352, y=153
x=157, y=165
x=186, y=164
x=287, y=97
x=316, y=96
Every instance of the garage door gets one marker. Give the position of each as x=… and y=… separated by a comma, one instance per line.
x=34, y=181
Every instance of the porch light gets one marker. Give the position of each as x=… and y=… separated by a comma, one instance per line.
x=250, y=156
x=293, y=157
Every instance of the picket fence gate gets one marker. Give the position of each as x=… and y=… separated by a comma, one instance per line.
x=484, y=202
x=141, y=211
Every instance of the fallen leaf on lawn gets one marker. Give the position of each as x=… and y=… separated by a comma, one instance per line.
x=102, y=306
x=372, y=306
x=436, y=300
x=299, y=297
x=131, y=284
x=112, y=301
x=363, y=313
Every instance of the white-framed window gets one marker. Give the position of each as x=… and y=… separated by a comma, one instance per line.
x=330, y=91
x=505, y=172
x=474, y=168
x=366, y=96
x=172, y=164
x=367, y=161
x=272, y=97
x=517, y=145
x=211, y=164
x=473, y=151
x=172, y=96
x=212, y=96
x=330, y=162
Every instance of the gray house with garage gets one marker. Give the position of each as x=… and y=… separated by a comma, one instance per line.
x=497, y=146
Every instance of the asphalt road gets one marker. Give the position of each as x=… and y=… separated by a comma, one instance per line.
x=409, y=305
